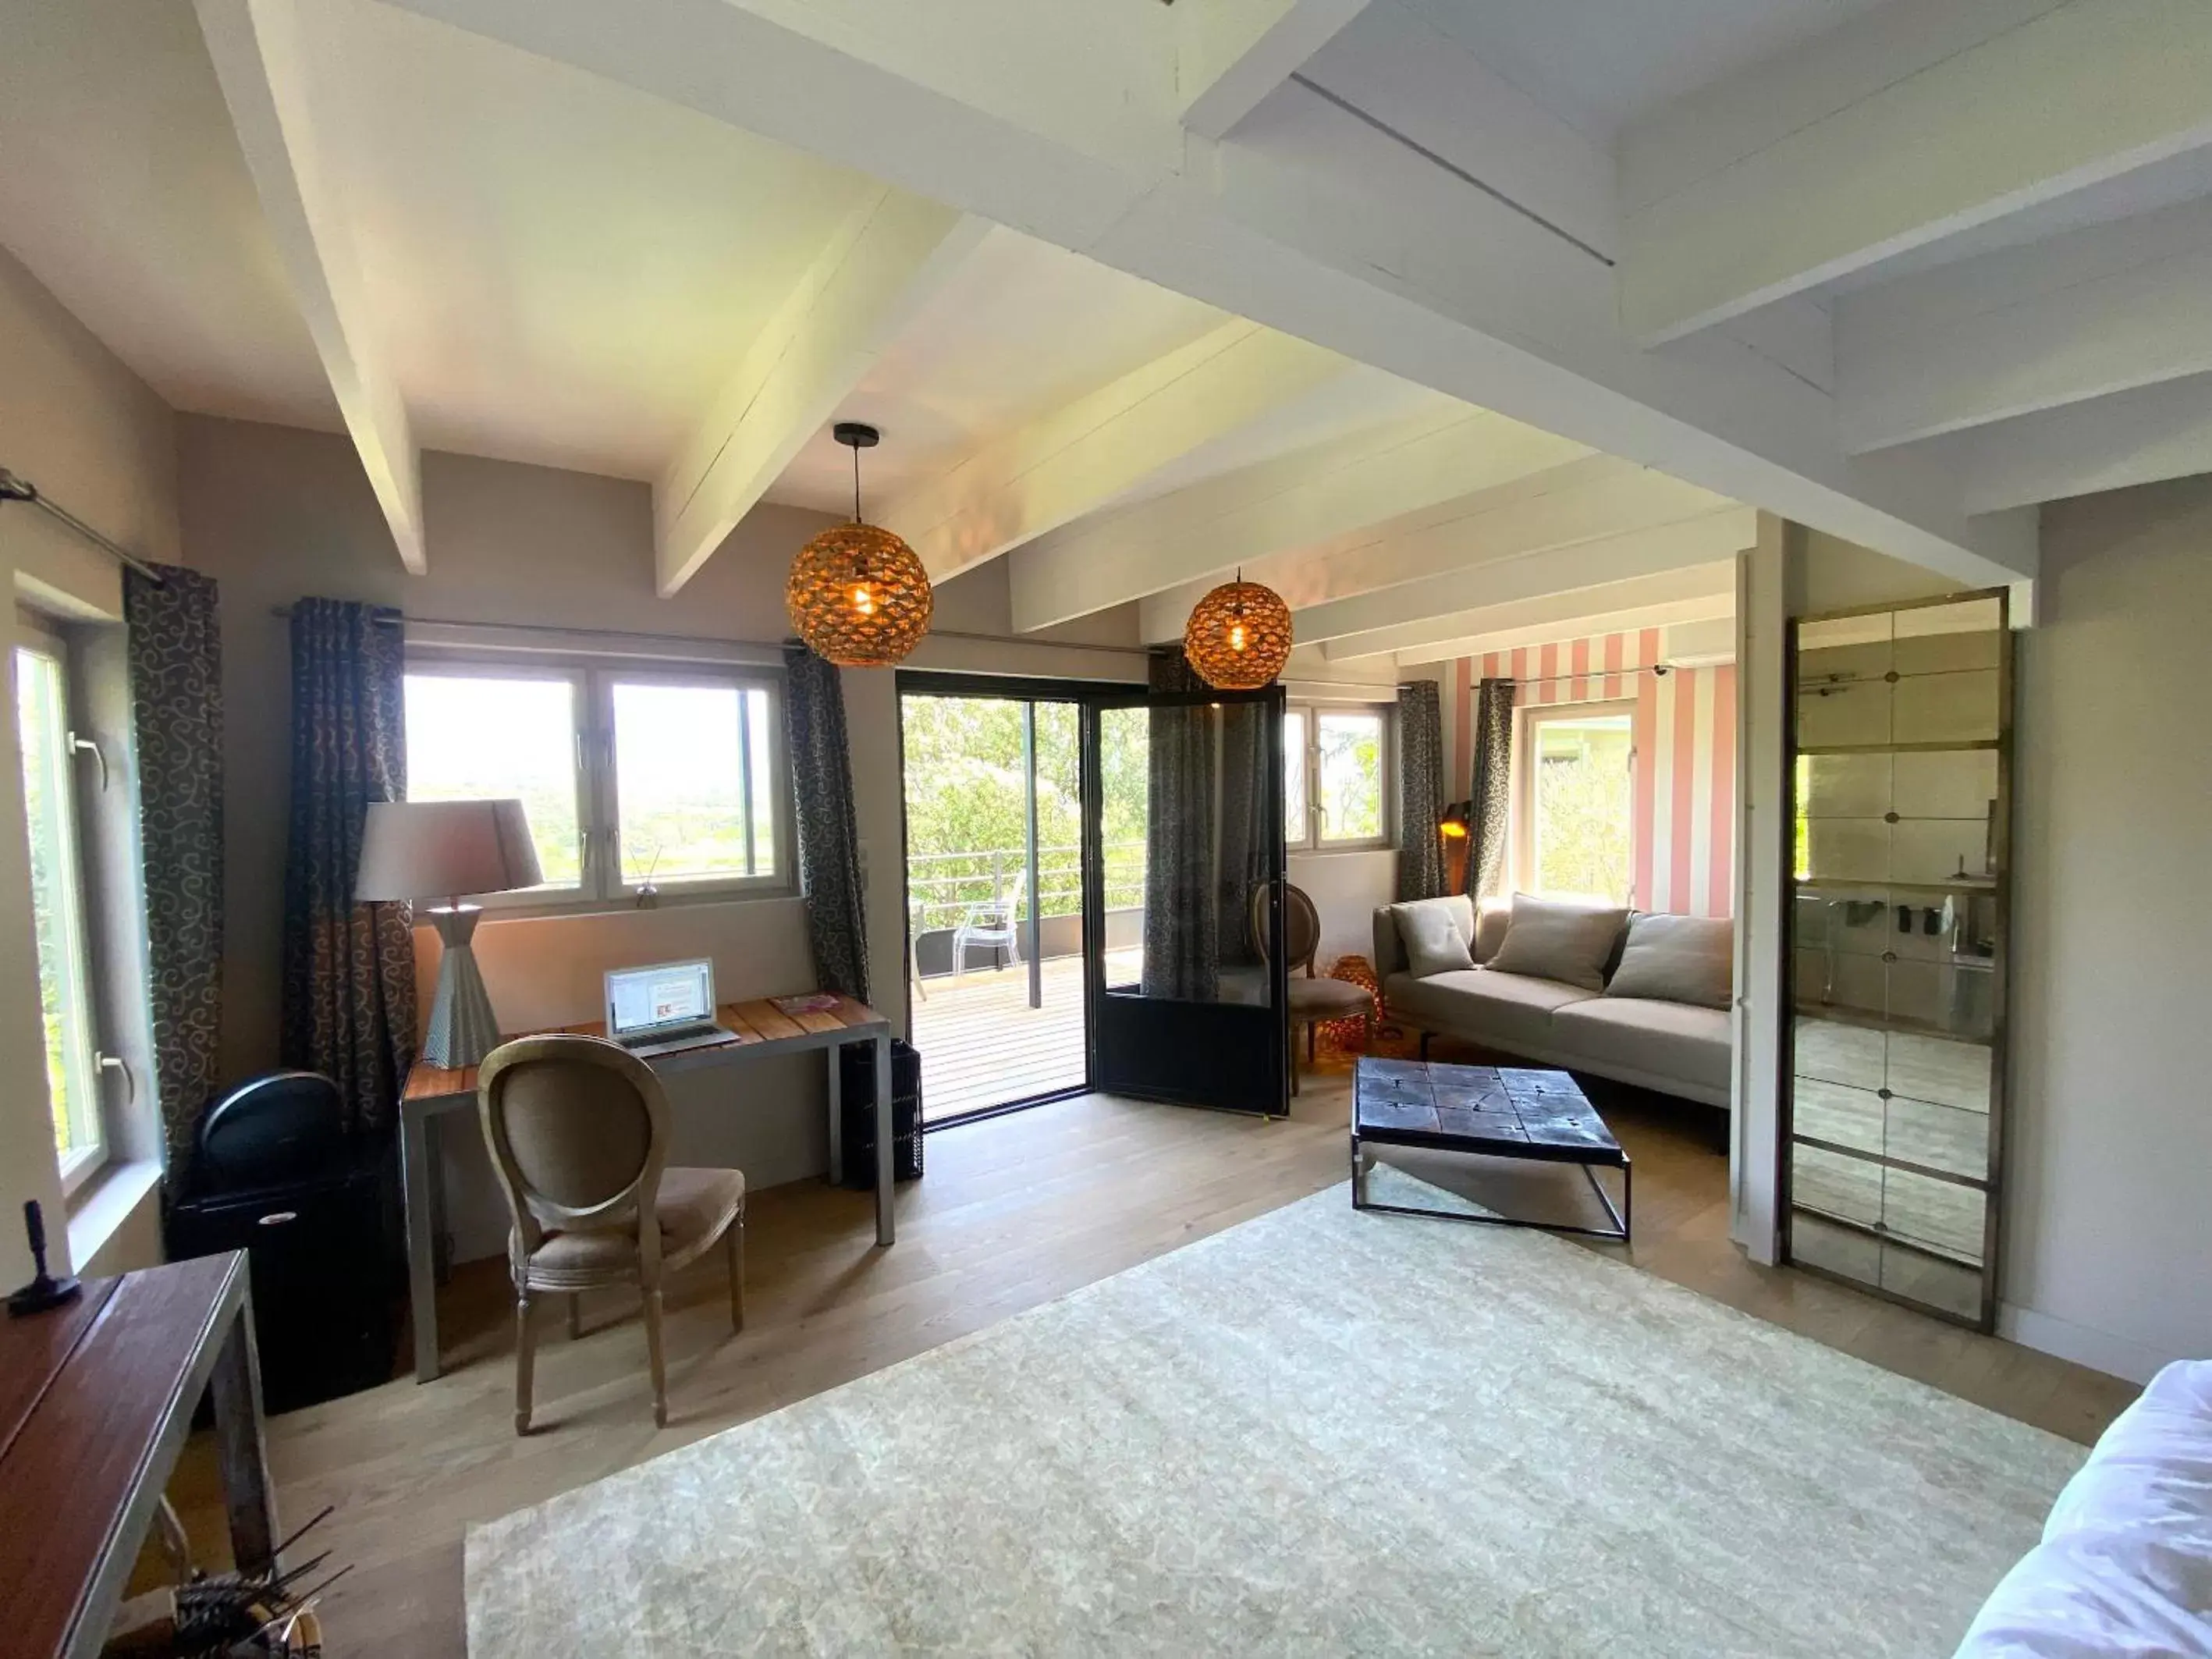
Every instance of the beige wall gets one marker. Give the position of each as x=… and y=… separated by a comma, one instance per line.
x=94, y=438
x=2108, y=1254
x=276, y=513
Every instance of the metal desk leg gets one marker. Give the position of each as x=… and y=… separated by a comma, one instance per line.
x=836, y=1053
x=883, y=1226
x=414, y=1152
x=235, y=1389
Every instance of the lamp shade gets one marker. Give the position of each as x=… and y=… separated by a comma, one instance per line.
x=1238, y=636
x=412, y=849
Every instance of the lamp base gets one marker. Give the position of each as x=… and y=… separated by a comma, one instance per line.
x=462, y=1029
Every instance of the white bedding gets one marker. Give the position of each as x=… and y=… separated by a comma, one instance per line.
x=2125, y=1564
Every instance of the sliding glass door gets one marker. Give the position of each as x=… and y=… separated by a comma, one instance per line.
x=995, y=929
x=1183, y=833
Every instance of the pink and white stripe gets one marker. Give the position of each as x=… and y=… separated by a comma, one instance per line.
x=1684, y=726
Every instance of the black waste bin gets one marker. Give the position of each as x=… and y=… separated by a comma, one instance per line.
x=857, y=1114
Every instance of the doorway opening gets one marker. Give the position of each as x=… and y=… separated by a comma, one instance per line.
x=995, y=893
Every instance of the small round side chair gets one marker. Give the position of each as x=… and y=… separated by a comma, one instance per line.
x=578, y=1131
x=1315, y=1000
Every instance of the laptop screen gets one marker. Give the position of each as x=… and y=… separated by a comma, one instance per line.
x=665, y=994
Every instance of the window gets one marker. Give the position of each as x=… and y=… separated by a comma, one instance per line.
x=1574, y=802
x=630, y=778
x=57, y=906
x=1336, y=776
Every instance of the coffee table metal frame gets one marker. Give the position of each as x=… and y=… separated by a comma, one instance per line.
x=1590, y=1158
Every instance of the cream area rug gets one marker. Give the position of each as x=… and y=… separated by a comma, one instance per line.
x=1319, y=1432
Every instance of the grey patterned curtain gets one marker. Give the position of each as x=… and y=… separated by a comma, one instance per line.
x=828, y=836
x=1420, y=791
x=1493, y=793
x=348, y=968
x=1183, y=916
x=173, y=643
x=1245, y=824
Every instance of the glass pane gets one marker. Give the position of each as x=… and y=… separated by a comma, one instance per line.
x=1351, y=777
x=1840, y=1249
x=762, y=735
x=1844, y=648
x=1124, y=762
x=1956, y=1290
x=681, y=755
x=1855, y=713
x=1192, y=782
x=1940, y=1215
x=1947, y=707
x=1294, y=777
x=477, y=736
x=1582, y=809
x=57, y=915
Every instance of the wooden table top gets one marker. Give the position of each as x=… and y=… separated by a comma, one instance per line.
x=1512, y=1111
x=87, y=1392
x=749, y=1025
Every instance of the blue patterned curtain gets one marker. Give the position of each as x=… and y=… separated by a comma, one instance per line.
x=348, y=972
x=174, y=648
x=828, y=836
x=1420, y=791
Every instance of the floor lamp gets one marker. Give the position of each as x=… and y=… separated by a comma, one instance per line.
x=427, y=849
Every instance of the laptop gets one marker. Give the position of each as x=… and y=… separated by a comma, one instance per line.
x=664, y=1008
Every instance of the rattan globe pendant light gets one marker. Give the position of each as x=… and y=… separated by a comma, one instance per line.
x=857, y=594
x=1239, y=636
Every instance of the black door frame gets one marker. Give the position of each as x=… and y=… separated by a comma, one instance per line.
x=1248, y=1076
x=1013, y=687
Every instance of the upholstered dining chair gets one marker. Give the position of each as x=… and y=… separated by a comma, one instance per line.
x=578, y=1131
x=1314, y=1000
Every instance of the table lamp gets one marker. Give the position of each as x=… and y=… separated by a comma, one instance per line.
x=428, y=849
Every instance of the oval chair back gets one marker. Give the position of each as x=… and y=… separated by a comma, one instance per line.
x=578, y=1130
x=1301, y=925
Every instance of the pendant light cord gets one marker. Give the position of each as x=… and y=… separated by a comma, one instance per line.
x=856, y=484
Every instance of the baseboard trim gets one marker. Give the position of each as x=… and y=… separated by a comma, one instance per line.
x=2102, y=1350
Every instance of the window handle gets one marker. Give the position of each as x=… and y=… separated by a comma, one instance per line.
x=117, y=1063
x=83, y=746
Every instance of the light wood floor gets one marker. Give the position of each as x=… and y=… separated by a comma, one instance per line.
x=984, y=1046
x=1014, y=1211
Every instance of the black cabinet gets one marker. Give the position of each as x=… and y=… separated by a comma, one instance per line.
x=275, y=1173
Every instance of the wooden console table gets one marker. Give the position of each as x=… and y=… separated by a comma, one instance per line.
x=95, y=1400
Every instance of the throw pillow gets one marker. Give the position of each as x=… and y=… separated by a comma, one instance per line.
x=1568, y=943
x=1678, y=959
x=1431, y=933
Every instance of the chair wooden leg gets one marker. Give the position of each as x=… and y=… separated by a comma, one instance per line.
x=1313, y=1037
x=737, y=1272
x=575, y=1315
x=525, y=1355
x=653, y=1357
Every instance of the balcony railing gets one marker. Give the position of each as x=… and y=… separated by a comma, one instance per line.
x=942, y=888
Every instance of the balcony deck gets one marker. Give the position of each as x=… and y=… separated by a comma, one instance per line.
x=983, y=1045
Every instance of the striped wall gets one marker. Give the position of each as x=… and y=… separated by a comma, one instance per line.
x=1684, y=834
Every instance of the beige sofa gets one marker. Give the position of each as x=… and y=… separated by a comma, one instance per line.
x=1677, y=1047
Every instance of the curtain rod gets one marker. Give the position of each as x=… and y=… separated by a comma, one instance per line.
x=1591, y=674
x=394, y=619
x=16, y=488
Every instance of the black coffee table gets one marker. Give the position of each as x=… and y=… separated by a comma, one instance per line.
x=1489, y=1111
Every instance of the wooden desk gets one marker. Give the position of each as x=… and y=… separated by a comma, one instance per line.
x=758, y=1031
x=95, y=1400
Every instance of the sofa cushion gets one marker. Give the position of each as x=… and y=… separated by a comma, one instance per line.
x=1389, y=946
x=1661, y=1039
x=1568, y=943
x=1491, y=918
x=1677, y=959
x=1510, y=1010
x=1432, y=939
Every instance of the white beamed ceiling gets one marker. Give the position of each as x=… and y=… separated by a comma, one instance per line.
x=1359, y=293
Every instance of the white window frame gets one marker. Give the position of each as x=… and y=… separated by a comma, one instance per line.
x=1316, y=840
x=601, y=884
x=81, y=1164
x=1522, y=804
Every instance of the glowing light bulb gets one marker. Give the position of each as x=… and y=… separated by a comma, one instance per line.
x=1236, y=636
x=864, y=601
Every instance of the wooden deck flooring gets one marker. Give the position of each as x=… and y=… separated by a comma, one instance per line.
x=983, y=1045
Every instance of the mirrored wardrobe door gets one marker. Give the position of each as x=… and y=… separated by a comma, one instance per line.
x=1899, y=769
